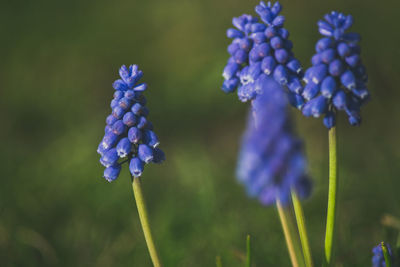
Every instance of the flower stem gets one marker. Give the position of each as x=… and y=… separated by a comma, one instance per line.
x=248, y=251
x=291, y=242
x=301, y=225
x=386, y=255
x=332, y=196
x=218, y=261
x=141, y=206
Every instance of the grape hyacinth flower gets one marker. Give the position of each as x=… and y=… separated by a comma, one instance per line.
x=272, y=165
x=337, y=80
x=378, y=259
x=271, y=161
x=261, y=49
x=128, y=133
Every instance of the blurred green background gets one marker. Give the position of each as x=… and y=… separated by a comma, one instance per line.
x=58, y=61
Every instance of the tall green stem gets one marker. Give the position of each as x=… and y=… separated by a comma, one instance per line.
x=291, y=241
x=248, y=251
x=386, y=255
x=332, y=196
x=218, y=261
x=141, y=206
x=301, y=225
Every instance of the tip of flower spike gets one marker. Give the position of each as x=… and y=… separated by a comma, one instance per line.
x=335, y=25
x=129, y=77
x=269, y=13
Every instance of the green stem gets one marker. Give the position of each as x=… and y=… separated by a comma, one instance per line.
x=332, y=196
x=141, y=206
x=301, y=225
x=248, y=250
x=386, y=255
x=291, y=242
x=218, y=261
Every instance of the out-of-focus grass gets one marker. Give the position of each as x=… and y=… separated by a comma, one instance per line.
x=58, y=61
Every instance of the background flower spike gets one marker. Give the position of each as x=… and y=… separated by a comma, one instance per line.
x=271, y=159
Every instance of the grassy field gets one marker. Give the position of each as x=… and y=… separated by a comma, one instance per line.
x=58, y=61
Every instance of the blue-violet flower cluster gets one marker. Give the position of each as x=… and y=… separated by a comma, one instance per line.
x=337, y=80
x=271, y=160
x=128, y=133
x=378, y=259
x=259, y=49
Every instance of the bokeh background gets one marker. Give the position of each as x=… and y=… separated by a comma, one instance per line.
x=58, y=61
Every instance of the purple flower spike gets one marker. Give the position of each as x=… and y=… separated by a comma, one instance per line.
x=260, y=45
x=338, y=68
x=271, y=161
x=128, y=132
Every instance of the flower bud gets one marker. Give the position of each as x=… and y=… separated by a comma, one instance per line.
x=112, y=172
x=240, y=56
x=136, y=167
x=118, y=94
x=329, y=120
x=230, y=85
x=129, y=119
x=295, y=85
x=348, y=80
x=310, y=90
x=328, y=87
x=145, y=153
x=130, y=94
x=281, y=74
x=281, y=55
x=270, y=32
x=141, y=122
x=268, y=65
x=324, y=44
x=343, y=49
x=233, y=33
x=328, y=55
x=336, y=67
x=232, y=48
x=276, y=42
x=318, y=73
x=134, y=135
x=110, y=120
x=315, y=107
x=109, y=140
x=124, y=147
x=109, y=158
x=119, y=127
x=120, y=85
x=124, y=103
x=150, y=138
x=294, y=65
x=159, y=155
x=118, y=112
x=340, y=100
